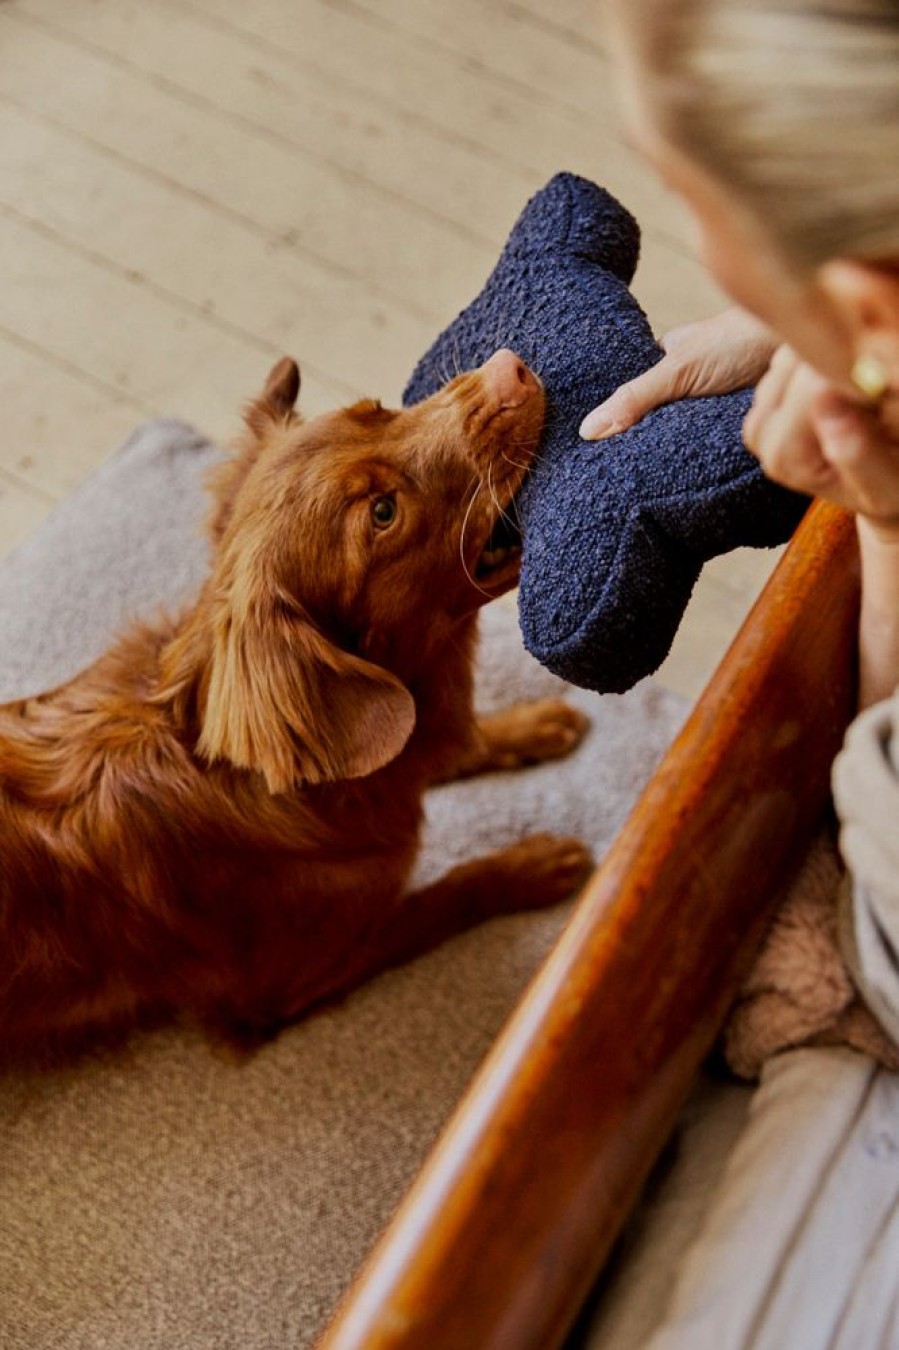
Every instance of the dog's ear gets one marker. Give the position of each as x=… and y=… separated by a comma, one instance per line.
x=274, y=407
x=282, y=699
x=277, y=401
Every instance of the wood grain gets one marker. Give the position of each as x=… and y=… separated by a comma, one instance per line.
x=511, y=1218
x=189, y=189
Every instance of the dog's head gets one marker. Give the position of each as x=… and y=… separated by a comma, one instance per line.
x=347, y=549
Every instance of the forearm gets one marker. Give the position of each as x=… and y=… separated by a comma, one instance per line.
x=879, y=622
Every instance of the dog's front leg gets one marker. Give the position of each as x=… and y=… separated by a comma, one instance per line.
x=536, y=872
x=526, y=733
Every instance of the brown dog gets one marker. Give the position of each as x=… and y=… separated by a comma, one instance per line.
x=219, y=817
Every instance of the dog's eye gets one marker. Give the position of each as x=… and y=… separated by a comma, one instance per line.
x=383, y=512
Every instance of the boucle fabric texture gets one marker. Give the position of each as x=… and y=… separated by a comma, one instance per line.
x=127, y=542
x=615, y=533
x=800, y=991
x=164, y=1197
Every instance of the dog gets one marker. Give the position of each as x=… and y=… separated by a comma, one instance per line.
x=217, y=820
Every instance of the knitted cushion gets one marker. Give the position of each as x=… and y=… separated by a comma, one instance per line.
x=615, y=533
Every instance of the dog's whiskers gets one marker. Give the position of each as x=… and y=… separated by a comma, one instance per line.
x=503, y=513
x=515, y=463
x=444, y=372
x=478, y=482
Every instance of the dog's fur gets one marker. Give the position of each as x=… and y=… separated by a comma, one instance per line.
x=219, y=817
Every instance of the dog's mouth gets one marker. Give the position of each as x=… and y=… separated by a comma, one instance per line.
x=501, y=556
x=508, y=402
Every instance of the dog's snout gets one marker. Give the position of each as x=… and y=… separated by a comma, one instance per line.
x=508, y=379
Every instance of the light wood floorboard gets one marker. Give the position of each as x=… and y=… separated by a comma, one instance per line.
x=190, y=188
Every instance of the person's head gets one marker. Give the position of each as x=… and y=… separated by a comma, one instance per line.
x=778, y=122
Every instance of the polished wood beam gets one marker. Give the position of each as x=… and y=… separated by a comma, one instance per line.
x=509, y=1221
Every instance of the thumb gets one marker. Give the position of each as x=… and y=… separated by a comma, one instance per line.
x=632, y=401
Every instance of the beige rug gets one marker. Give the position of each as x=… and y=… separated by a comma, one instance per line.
x=162, y=1198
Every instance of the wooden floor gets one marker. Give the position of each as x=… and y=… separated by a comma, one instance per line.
x=191, y=188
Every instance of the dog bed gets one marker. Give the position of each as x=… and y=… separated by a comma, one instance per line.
x=163, y=1195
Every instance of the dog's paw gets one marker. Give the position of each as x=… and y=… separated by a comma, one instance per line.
x=532, y=733
x=546, y=868
x=551, y=729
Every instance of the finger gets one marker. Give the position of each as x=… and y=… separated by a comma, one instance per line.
x=863, y=456
x=769, y=395
x=784, y=440
x=660, y=384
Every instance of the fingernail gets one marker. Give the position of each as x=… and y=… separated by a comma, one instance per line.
x=595, y=428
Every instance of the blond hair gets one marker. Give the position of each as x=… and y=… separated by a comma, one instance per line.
x=793, y=104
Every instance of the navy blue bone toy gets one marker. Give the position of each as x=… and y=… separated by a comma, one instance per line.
x=615, y=532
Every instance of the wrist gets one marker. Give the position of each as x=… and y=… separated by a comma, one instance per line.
x=878, y=533
x=879, y=619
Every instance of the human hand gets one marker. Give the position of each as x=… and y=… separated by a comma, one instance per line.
x=712, y=356
x=809, y=437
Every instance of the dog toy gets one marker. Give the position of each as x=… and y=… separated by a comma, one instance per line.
x=614, y=533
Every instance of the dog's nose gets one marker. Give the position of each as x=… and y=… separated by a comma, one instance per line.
x=508, y=379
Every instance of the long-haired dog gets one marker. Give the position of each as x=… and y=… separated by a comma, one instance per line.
x=219, y=817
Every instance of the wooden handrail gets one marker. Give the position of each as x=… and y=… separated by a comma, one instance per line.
x=511, y=1217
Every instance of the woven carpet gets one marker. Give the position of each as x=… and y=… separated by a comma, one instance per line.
x=163, y=1197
